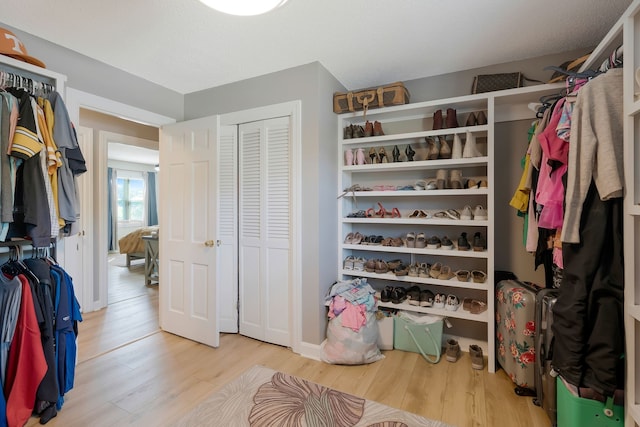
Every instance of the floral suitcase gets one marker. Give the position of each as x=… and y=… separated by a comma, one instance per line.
x=515, y=332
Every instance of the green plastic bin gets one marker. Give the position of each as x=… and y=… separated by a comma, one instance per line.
x=574, y=411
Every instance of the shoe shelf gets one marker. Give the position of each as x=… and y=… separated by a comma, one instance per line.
x=417, y=221
x=418, y=165
x=420, y=193
x=457, y=314
x=453, y=283
x=410, y=137
x=419, y=251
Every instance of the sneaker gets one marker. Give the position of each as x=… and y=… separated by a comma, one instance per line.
x=467, y=213
x=433, y=242
x=463, y=243
x=421, y=240
x=479, y=242
x=480, y=214
x=477, y=359
x=348, y=262
x=426, y=298
x=446, y=243
x=438, y=301
x=452, y=353
x=452, y=303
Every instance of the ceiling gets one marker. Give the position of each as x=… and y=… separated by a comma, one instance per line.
x=132, y=154
x=185, y=46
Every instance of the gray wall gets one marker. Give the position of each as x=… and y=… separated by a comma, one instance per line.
x=314, y=86
x=98, y=78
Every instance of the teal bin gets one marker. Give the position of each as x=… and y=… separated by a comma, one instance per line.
x=574, y=411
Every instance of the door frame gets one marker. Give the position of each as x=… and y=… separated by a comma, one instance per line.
x=294, y=110
x=95, y=299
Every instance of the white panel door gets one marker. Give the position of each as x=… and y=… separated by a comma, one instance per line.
x=265, y=230
x=227, y=281
x=187, y=238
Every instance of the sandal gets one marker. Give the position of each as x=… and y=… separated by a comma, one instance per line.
x=463, y=275
x=381, y=267
x=445, y=273
x=410, y=240
x=413, y=270
x=423, y=270
x=479, y=276
x=435, y=269
x=421, y=240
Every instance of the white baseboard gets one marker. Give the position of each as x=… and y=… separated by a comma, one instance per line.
x=310, y=351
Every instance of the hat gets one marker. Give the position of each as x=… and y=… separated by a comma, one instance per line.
x=11, y=46
x=571, y=66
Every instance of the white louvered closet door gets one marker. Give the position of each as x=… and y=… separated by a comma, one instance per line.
x=265, y=230
x=227, y=229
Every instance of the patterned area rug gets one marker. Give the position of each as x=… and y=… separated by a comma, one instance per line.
x=264, y=397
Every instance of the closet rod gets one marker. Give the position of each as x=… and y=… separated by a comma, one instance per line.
x=31, y=82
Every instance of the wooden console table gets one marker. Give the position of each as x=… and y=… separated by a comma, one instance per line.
x=151, y=260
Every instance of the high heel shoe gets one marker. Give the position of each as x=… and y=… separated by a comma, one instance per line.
x=373, y=155
x=382, y=156
x=377, y=129
x=470, y=149
x=382, y=211
x=456, y=151
x=396, y=154
x=471, y=120
x=409, y=152
x=481, y=118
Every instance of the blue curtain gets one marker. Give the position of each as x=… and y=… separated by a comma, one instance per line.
x=152, y=209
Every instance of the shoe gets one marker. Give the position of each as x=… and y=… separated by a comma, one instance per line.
x=435, y=269
x=426, y=298
x=396, y=154
x=480, y=214
x=377, y=129
x=348, y=132
x=438, y=301
x=382, y=156
x=471, y=120
x=370, y=265
x=348, y=157
x=446, y=243
x=358, y=131
x=437, y=120
x=421, y=240
x=477, y=359
x=368, y=129
x=471, y=183
x=358, y=264
x=385, y=295
x=452, y=352
x=409, y=152
x=381, y=267
x=373, y=155
x=463, y=275
x=423, y=270
x=398, y=295
x=360, y=159
x=477, y=307
x=470, y=149
x=348, y=262
x=434, y=242
x=441, y=179
x=478, y=276
x=452, y=119
x=466, y=213
x=452, y=303
x=456, y=151
x=481, y=118
x=413, y=295
x=433, y=148
x=401, y=270
x=456, y=179
x=445, y=149
x=445, y=273
x=463, y=243
x=479, y=242
x=413, y=270
x=410, y=241
x=448, y=214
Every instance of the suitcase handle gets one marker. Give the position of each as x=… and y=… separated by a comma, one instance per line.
x=435, y=344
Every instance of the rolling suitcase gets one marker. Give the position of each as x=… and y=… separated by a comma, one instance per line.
x=545, y=382
x=515, y=332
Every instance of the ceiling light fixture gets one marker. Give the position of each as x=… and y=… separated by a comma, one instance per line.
x=244, y=7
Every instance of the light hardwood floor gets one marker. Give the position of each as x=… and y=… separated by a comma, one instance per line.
x=130, y=373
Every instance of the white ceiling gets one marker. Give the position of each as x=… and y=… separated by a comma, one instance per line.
x=185, y=46
x=132, y=154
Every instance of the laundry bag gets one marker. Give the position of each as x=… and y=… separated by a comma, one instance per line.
x=419, y=334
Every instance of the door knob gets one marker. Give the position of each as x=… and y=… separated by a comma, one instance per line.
x=209, y=243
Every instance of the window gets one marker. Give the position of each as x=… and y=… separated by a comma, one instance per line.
x=130, y=200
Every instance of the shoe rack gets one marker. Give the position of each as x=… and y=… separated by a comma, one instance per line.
x=427, y=180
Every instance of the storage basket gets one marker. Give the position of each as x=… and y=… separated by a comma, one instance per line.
x=363, y=99
x=574, y=411
x=423, y=338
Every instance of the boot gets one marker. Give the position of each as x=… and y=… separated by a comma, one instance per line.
x=348, y=132
x=445, y=149
x=456, y=151
x=470, y=149
x=368, y=129
x=360, y=159
x=477, y=359
x=377, y=129
x=409, y=152
x=348, y=157
x=441, y=179
x=437, y=120
x=452, y=119
x=396, y=154
x=433, y=148
x=452, y=350
x=358, y=131
x=456, y=179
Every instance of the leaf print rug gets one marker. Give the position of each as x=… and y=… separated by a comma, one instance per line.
x=263, y=397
